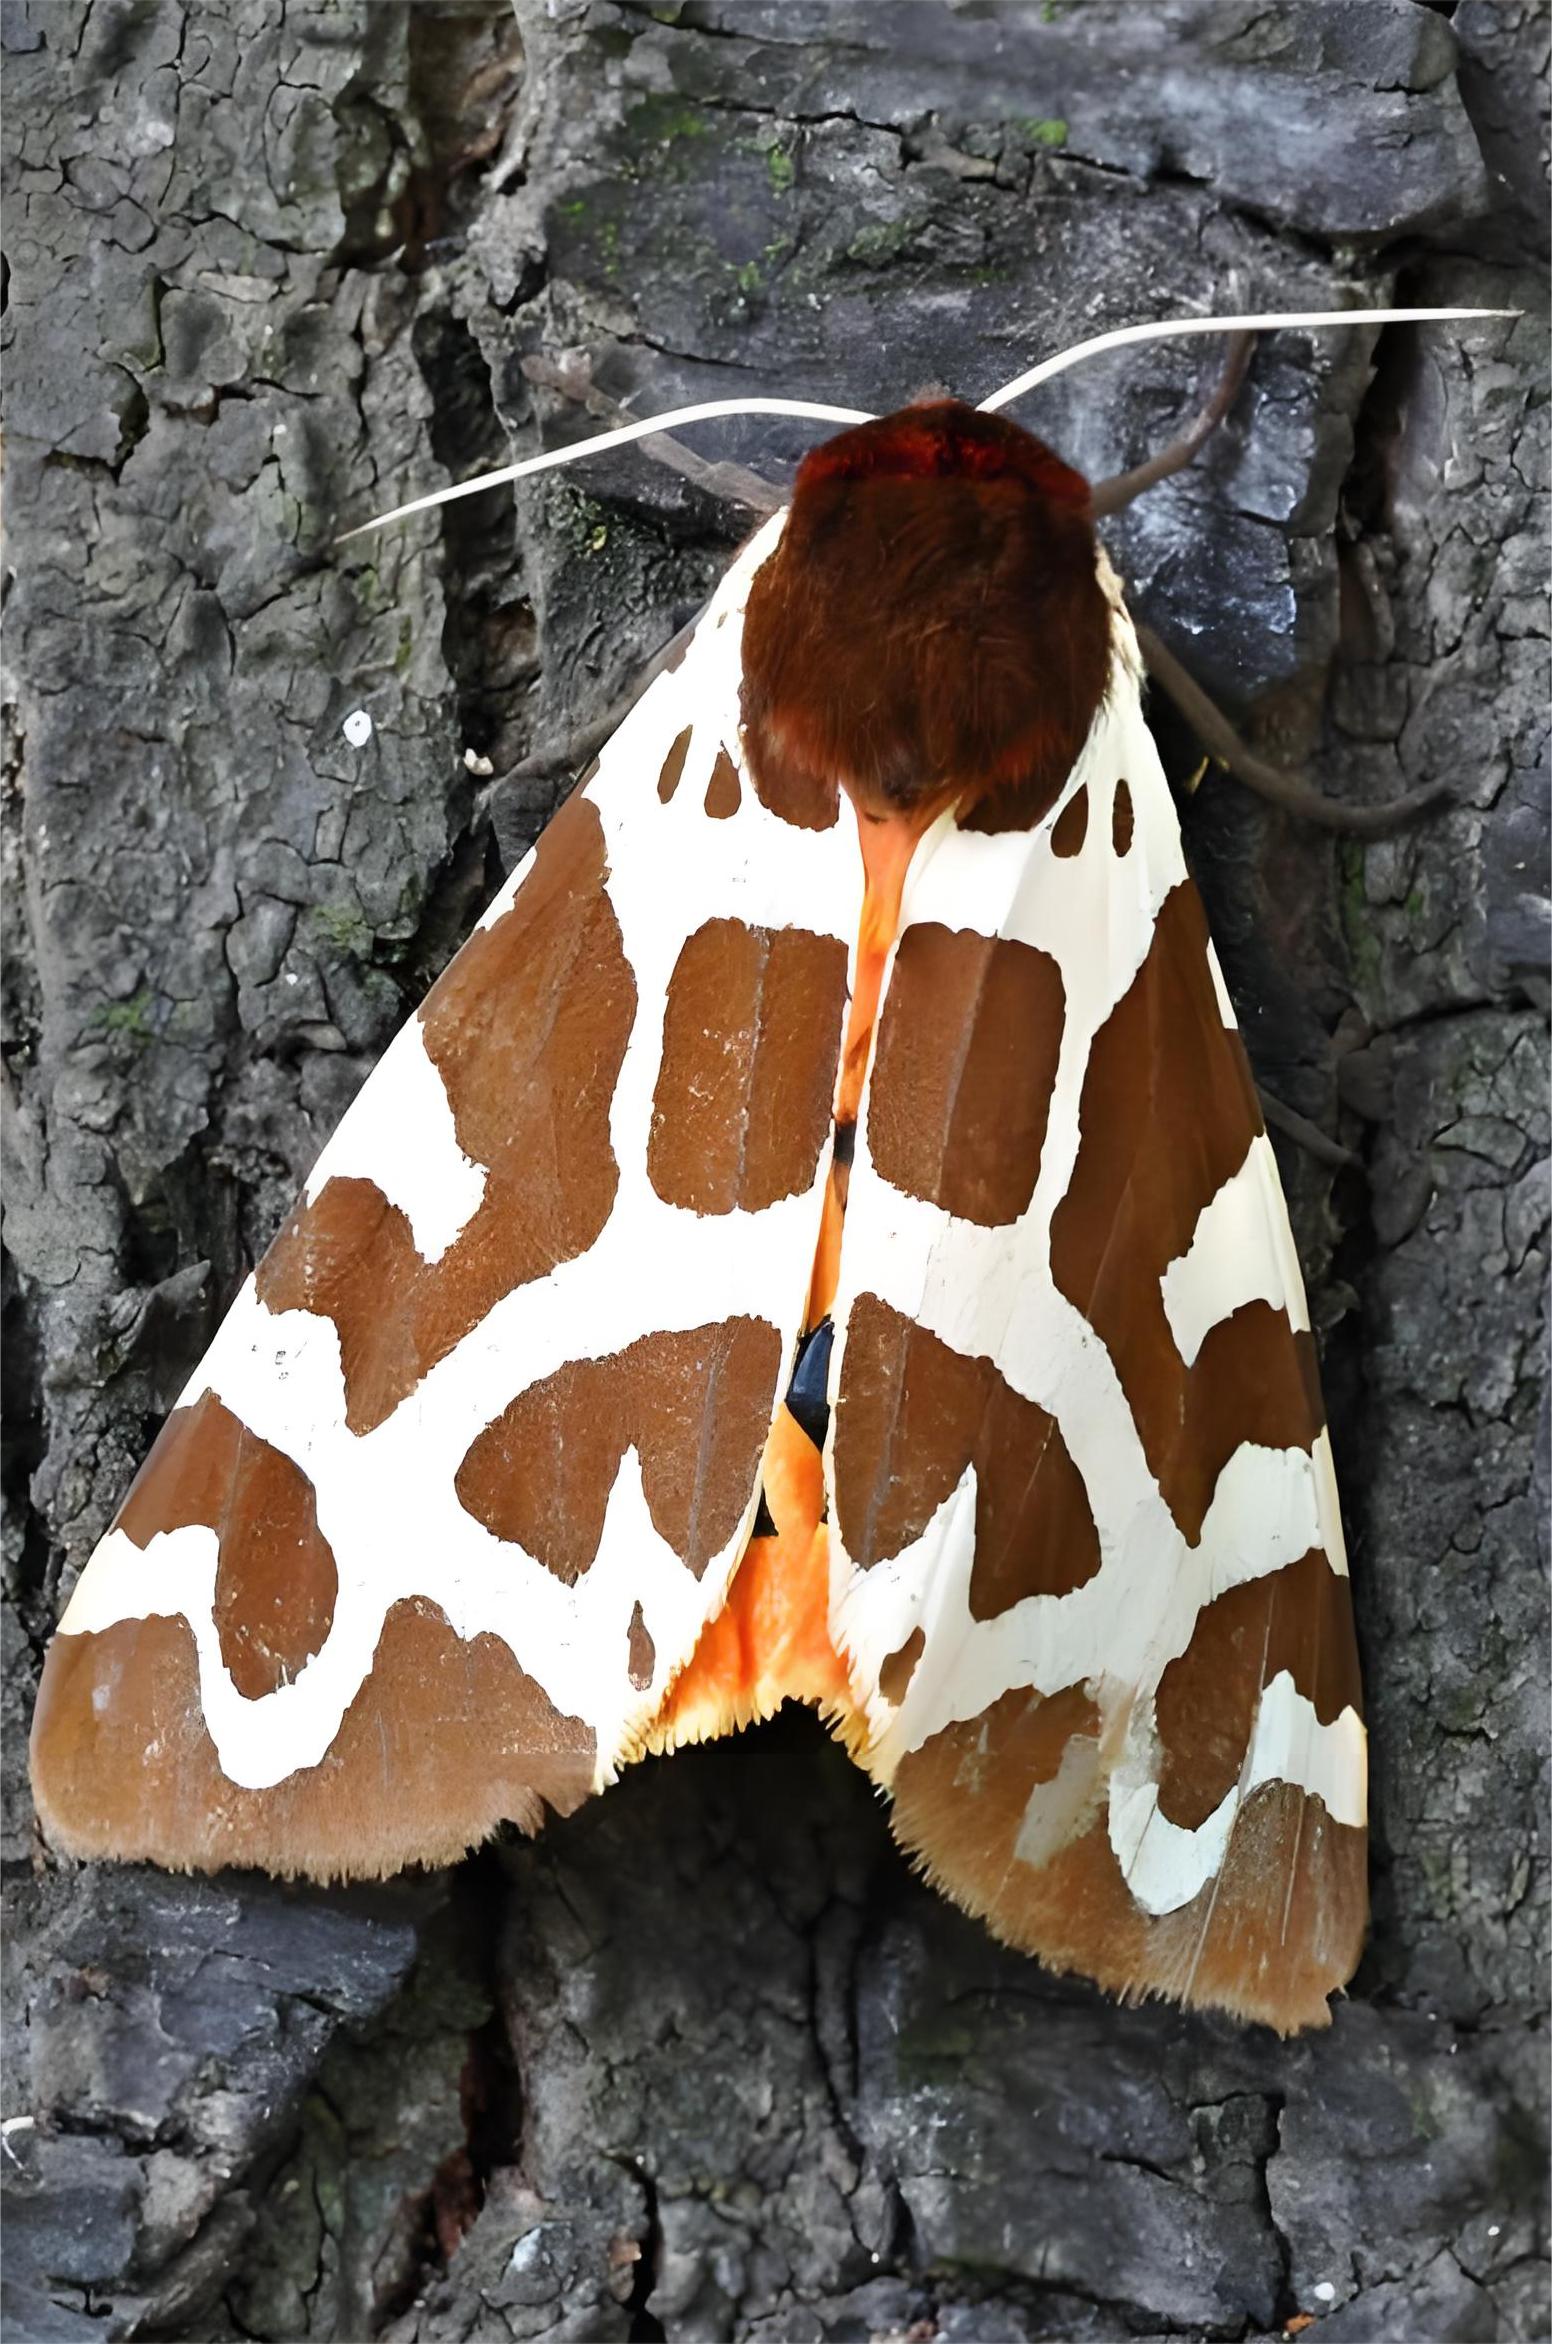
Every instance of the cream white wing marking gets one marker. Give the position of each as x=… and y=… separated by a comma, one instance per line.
x=1241, y=1251
x=1165, y=1866
x=399, y=1133
x=1225, y=1005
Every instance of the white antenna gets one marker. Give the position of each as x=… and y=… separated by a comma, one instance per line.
x=1164, y=329
x=707, y=411
x=711, y=410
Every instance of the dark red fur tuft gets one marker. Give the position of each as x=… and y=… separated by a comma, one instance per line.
x=931, y=629
x=943, y=440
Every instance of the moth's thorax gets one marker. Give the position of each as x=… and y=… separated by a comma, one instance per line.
x=930, y=629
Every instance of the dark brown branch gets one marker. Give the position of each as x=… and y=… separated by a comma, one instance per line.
x=1112, y=496
x=1287, y=790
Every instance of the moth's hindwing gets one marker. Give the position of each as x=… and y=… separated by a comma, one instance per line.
x=1088, y=1562
x=474, y=1455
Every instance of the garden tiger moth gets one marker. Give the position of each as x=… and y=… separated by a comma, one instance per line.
x=817, y=1240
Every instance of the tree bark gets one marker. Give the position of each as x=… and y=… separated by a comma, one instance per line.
x=707, y=2062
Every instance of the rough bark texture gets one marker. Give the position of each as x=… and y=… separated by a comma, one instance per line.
x=706, y=2062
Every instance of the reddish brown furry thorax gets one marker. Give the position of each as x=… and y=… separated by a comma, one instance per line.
x=931, y=629
x=938, y=441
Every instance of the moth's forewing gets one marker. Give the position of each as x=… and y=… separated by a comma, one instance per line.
x=1089, y=1557
x=474, y=1456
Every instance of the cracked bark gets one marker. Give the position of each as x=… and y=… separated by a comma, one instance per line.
x=707, y=2062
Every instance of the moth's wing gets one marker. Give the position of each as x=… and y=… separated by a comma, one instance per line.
x=476, y=1451
x=1089, y=1568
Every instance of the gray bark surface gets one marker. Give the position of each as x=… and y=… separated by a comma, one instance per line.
x=707, y=2062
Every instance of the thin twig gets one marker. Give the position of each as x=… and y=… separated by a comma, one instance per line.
x=1219, y=738
x=1112, y=496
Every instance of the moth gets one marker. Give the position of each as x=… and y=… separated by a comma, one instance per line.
x=817, y=1241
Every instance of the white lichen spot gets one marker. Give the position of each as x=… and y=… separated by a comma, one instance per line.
x=475, y=763
x=1325, y=2292
x=358, y=728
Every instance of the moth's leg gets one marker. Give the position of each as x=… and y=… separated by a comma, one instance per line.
x=1112, y=496
x=730, y=481
x=1219, y=738
x=734, y=482
x=1216, y=734
x=565, y=756
x=1307, y=1135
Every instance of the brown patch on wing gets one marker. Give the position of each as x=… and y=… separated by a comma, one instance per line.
x=911, y=1415
x=673, y=765
x=1308, y=1352
x=276, y=1579
x=1167, y=1114
x=967, y=1050
x=751, y=1035
x=894, y=1677
x=723, y=794
x=1299, y=1619
x=1253, y=1380
x=961, y=1801
x=696, y=1407
x=445, y=1739
x=640, y=1651
x=1070, y=828
x=1275, y=1934
x=1021, y=805
x=528, y=1029
x=792, y=791
x=1121, y=819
